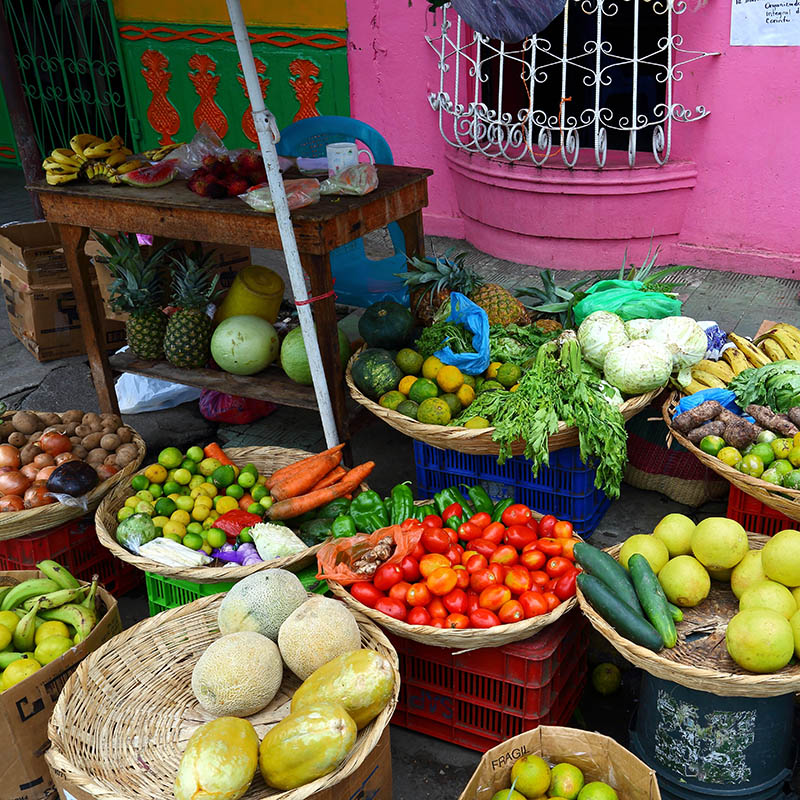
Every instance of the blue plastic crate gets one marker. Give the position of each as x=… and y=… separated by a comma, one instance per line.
x=565, y=488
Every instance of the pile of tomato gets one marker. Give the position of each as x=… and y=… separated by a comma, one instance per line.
x=480, y=575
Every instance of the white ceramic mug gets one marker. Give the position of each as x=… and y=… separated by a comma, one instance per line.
x=342, y=155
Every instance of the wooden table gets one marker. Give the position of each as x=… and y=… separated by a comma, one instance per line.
x=174, y=212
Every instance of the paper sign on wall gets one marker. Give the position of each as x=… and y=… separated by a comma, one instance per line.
x=765, y=22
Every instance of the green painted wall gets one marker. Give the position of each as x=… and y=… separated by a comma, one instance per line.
x=8, y=148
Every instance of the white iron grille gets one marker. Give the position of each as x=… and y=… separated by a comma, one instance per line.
x=473, y=113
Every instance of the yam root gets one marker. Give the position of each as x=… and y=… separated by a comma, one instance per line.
x=794, y=415
x=767, y=418
x=740, y=433
x=713, y=428
x=695, y=417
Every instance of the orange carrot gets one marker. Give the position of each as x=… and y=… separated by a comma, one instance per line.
x=298, y=466
x=295, y=506
x=213, y=450
x=332, y=477
x=300, y=483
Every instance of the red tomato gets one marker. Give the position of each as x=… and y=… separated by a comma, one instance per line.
x=533, y=559
x=494, y=532
x=472, y=602
x=539, y=579
x=467, y=531
x=437, y=623
x=562, y=529
x=418, y=552
x=479, y=580
x=466, y=555
x=568, y=547
x=533, y=524
x=516, y=514
x=418, y=595
x=492, y=597
x=511, y=611
x=391, y=607
x=557, y=566
x=533, y=604
x=462, y=580
x=456, y=601
x=520, y=535
x=398, y=591
x=432, y=561
x=546, y=525
x=483, y=546
x=483, y=618
x=386, y=576
x=451, y=535
x=436, y=608
x=550, y=547
x=432, y=521
x=518, y=579
x=552, y=600
x=442, y=580
x=410, y=567
x=454, y=554
x=366, y=593
x=565, y=585
x=435, y=540
x=475, y=562
x=505, y=554
x=499, y=571
x=409, y=523
x=481, y=519
x=457, y=621
x=418, y=616
x=453, y=510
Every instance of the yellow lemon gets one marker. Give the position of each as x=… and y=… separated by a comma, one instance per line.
x=180, y=516
x=450, y=379
x=209, y=489
x=465, y=395
x=5, y=637
x=199, y=512
x=493, y=367
x=50, y=628
x=431, y=367
x=9, y=619
x=404, y=387
x=132, y=502
x=52, y=648
x=173, y=528
x=17, y=671
x=160, y=521
x=204, y=500
x=226, y=504
x=155, y=473
x=477, y=422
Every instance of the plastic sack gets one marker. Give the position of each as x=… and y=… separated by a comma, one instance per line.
x=137, y=394
x=359, y=179
x=299, y=193
x=626, y=300
x=725, y=397
x=220, y=407
x=335, y=557
x=717, y=340
x=472, y=317
x=190, y=156
x=511, y=20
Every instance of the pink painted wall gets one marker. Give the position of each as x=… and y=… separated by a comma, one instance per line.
x=743, y=212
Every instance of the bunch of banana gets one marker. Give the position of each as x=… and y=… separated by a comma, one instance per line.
x=159, y=153
x=735, y=359
x=780, y=342
x=62, y=166
x=754, y=356
x=712, y=374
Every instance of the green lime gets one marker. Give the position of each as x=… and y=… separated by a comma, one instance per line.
x=508, y=375
x=259, y=492
x=434, y=411
x=267, y=502
x=794, y=457
x=251, y=468
x=490, y=386
x=257, y=509
x=764, y=452
x=712, y=444
x=170, y=457
x=155, y=490
x=165, y=506
x=422, y=389
x=244, y=536
x=193, y=541
x=235, y=491
x=195, y=453
x=185, y=503
x=772, y=475
x=470, y=380
x=752, y=465
x=173, y=537
x=145, y=495
x=247, y=479
x=766, y=436
x=194, y=527
x=606, y=678
x=171, y=487
x=139, y=482
x=182, y=476
x=197, y=480
x=409, y=361
x=792, y=480
x=597, y=790
x=408, y=408
x=453, y=403
x=392, y=399
x=216, y=538
x=747, y=450
x=223, y=476
x=143, y=507
x=124, y=513
x=189, y=465
x=730, y=456
x=208, y=465
x=782, y=465
x=781, y=447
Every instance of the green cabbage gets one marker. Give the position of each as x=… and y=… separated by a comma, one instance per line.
x=136, y=530
x=685, y=339
x=638, y=367
x=638, y=328
x=598, y=333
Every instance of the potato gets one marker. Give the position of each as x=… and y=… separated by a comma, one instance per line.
x=28, y=453
x=112, y=460
x=110, y=442
x=6, y=429
x=96, y=427
x=82, y=430
x=89, y=418
x=112, y=420
x=70, y=428
x=59, y=428
x=126, y=453
x=26, y=422
x=35, y=436
x=76, y=440
x=18, y=439
x=72, y=416
x=49, y=418
x=80, y=452
x=97, y=455
x=92, y=441
x=125, y=434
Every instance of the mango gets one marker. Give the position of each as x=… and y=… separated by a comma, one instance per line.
x=220, y=761
x=306, y=745
x=362, y=681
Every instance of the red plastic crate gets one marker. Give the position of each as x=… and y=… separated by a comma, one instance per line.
x=483, y=697
x=756, y=517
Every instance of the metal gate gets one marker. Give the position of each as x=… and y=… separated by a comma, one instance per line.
x=70, y=67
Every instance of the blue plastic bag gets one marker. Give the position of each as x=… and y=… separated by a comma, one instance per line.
x=473, y=318
x=627, y=300
x=725, y=397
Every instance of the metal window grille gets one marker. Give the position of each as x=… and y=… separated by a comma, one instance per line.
x=617, y=61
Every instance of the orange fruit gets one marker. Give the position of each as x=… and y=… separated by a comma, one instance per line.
x=450, y=379
x=566, y=781
x=405, y=384
x=465, y=395
x=531, y=775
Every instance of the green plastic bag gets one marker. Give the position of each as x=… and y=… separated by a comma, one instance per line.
x=627, y=300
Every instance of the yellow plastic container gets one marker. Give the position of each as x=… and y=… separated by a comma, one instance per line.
x=255, y=290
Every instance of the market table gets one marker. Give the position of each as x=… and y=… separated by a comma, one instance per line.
x=174, y=212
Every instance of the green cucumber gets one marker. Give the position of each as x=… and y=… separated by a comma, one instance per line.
x=674, y=611
x=610, y=572
x=652, y=598
x=619, y=614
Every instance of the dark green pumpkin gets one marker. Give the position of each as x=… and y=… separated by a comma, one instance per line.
x=386, y=324
x=375, y=373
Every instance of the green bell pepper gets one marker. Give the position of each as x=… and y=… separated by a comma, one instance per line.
x=343, y=527
x=500, y=507
x=402, y=503
x=315, y=531
x=420, y=512
x=335, y=508
x=480, y=500
x=368, y=512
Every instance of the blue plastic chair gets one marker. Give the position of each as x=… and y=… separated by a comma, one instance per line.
x=360, y=281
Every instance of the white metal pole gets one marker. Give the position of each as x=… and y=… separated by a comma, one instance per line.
x=268, y=134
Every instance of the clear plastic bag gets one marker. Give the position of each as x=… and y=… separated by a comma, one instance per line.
x=299, y=193
x=190, y=155
x=472, y=317
x=360, y=179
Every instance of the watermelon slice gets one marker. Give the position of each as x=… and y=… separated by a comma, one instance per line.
x=152, y=175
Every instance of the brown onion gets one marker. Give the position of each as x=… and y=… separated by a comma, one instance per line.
x=62, y=457
x=13, y=483
x=105, y=471
x=9, y=456
x=11, y=502
x=44, y=473
x=7, y=469
x=54, y=443
x=44, y=460
x=30, y=471
x=38, y=496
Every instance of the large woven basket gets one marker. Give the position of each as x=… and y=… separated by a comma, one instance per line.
x=123, y=719
x=20, y=523
x=267, y=460
x=477, y=441
x=700, y=660
x=787, y=501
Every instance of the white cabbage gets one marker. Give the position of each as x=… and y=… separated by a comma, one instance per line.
x=598, y=333
x=638, y=366
x=638, y=328
x=275, y=541
x=685, y=339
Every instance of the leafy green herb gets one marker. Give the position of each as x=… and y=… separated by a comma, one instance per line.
x=443, y=334
x=775, y=385
x=516, y=343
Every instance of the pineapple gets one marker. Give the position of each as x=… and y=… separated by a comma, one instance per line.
x=432, y=280
x=188, y=335
x=137, y=289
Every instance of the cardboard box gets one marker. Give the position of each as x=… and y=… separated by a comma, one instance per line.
x=371, y=781
x=25, y=709
x=598, y=757
x=32, y=252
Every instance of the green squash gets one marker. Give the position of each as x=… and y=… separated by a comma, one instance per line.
x=375, y=373
x=386, y=324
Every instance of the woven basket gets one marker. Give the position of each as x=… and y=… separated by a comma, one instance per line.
x=123, y=719
x=20, y=523
x=477, y=441
x=787, y=501
x=701, y=662
x=267, y=460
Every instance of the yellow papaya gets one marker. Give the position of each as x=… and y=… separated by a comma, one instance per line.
x=362, y=681
x=220, y=761
x=306, y=745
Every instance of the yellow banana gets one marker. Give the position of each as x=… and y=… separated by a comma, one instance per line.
x=116, y=158
x=718, y=368
x=83, y=140
x=54, y=179
x=692, y=387
x=751, y=352
x=708, y=378
x=785, y=338
x=160, y=152
x=102, y=150
x=99, y=172
x=69, y=157
x=129, y=166
x=116, y=141
x=735, y=358
x=772, y=349
x=50, y=165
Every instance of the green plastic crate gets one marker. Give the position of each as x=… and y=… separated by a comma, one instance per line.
x=164, y=593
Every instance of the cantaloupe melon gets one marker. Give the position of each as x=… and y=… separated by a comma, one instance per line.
x=238, y=674
x=261, y=602
x=315, y=633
